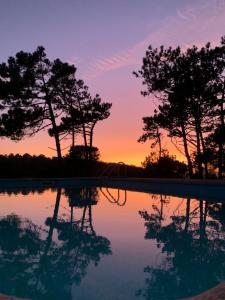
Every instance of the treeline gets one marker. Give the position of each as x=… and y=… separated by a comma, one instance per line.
x=188, y=91
x=37, y=93
x=18, y=166
x=165, y=166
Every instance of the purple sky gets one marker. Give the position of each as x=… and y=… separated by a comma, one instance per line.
x=106, y=40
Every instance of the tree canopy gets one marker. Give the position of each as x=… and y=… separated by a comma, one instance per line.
x=37, y=93
x=189, y=87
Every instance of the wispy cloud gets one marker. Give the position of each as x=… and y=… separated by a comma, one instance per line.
x=192, y=25
x=182, y=15
x=113, y=62
x=188, y=13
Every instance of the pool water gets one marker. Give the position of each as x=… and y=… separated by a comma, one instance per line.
x=98, y=243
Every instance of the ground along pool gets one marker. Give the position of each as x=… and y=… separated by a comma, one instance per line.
x=98, y=243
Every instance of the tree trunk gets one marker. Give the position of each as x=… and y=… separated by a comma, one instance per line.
x=201, y=221
x=83, y=129
x=55, y=130
x=73, y=138
x=205, y=213
x=71, y=215
x=199, y=153
x=91, y=135
x=84, y=135
x=204, y=154
x=159, y=142
x=83, y=124
x=52, y=118
x=83, y=218
x=220, y=160
x=90, y=220
x=161, y=208
x=53, y=222
x=187, y=219
x=190, y=167
x=221, y=135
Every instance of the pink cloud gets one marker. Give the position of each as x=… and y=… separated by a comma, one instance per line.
x=192, y=25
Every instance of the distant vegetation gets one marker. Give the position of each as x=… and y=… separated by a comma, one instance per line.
x=73, y=164
x=188, y=91
x=165, y=166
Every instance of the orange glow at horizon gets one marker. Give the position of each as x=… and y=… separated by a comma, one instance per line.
x=117, y=146
x=105, y=55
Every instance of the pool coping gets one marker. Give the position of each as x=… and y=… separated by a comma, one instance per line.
x=133, y=179
x=206, y=189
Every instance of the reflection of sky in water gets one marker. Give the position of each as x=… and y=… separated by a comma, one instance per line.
x=121, y=275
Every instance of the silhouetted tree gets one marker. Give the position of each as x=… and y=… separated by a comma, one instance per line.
x=95, y=111
x=73, y=122
x=82, y=112
x=80, y=152
x=36, y=93
x=152, y=132
x=161, y=76
x=165, y=166
x=216, y=139
x=34, y=85
x=189, y=87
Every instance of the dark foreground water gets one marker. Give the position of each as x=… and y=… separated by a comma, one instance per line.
x=108, y=244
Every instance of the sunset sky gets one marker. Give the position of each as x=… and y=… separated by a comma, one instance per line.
x=106, y=40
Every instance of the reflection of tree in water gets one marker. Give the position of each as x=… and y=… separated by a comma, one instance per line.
x=35, y=268
x=194, y=244
x=155, y=219
x=20, y=247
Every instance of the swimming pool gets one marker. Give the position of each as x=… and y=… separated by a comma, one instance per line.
x=89, y=242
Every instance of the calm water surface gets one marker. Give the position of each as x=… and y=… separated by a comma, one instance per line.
x=98, y=243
